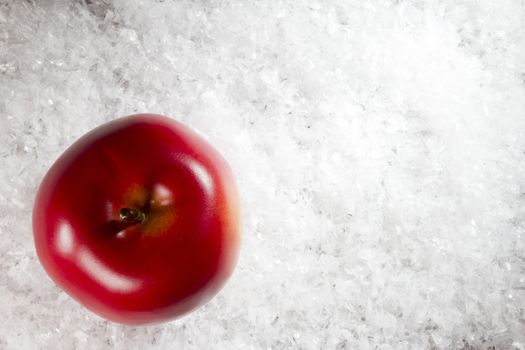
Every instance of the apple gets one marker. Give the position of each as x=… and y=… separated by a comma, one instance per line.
x=139, y=220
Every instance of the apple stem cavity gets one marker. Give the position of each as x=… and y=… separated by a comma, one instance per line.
x=131, y=215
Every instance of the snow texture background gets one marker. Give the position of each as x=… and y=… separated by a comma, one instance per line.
x=378, y=145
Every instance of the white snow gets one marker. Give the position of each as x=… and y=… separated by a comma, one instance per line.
x=378, y=145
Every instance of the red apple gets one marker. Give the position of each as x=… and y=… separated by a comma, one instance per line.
x=139, y=220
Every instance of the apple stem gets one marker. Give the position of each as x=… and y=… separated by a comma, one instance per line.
x=131, y=215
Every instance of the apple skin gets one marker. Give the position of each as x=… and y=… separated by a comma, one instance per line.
x=171, y=261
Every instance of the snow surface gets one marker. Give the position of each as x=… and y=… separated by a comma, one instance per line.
x=378, y=145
